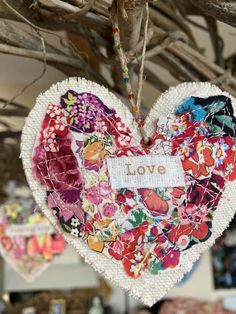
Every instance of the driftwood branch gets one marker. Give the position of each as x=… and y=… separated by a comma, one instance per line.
x=84, y=10
x=53, y=22
x=222, y=10
x=216, y=40
x=13, y=112
x=164, y=24
x=87, y=41
x=9, y=134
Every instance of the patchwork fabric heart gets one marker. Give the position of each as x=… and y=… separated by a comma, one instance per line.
x=139, y=214
x=27, y=240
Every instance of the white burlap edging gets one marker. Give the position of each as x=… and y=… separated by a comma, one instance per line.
x=149, y=288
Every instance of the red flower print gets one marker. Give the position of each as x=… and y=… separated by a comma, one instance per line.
x=177, y=193
x=123, y=140
x=134, y=263
x=126, y=200
x=120, y=132
x=126, y=208
x=120, y=198
x=199, y=162
x=229, y=167
x=129, y=194
x=171, y=259
x=177, y=231
x=200, y=231
x=125, y=244
x=116, y=249
x=154, y=202
x=143, y=227
x=88, y=227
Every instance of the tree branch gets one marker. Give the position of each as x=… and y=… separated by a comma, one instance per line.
x=14, y=112
x=91, y=20
x=9, y=134
x=222, y=10
x=216, y=40
x=15, y=36
x=84, y=10
x=131, y=26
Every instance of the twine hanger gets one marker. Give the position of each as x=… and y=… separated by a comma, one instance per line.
x=134, y=101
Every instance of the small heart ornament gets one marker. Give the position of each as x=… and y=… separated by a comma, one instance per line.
x=140, y=214
x=27, y=240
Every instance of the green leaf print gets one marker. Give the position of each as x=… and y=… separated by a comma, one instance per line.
x=139, y=217
x=67, y=228
x=226, y=121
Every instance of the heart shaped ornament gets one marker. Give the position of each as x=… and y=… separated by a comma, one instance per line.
x=28, y=242
x=141, y=215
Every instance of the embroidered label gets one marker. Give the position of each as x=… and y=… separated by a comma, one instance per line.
x=145, y=172
x=29, y=230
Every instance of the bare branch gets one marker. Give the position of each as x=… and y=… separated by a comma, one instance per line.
x=223, y=10
x=55, y=4
x=15, y=105
x=84, y=10
x=9, y=134
x=13, y=112
x=216, y=40
x=131, y=26
x=91, y=20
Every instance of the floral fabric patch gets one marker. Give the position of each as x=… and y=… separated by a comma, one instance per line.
x=145, y=230
x=27, y=240
x=145, y=238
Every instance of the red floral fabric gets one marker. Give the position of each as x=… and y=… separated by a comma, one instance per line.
x=144, y=230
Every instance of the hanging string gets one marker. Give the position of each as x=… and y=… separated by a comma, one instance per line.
x=140, y=81
x=134, y=102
